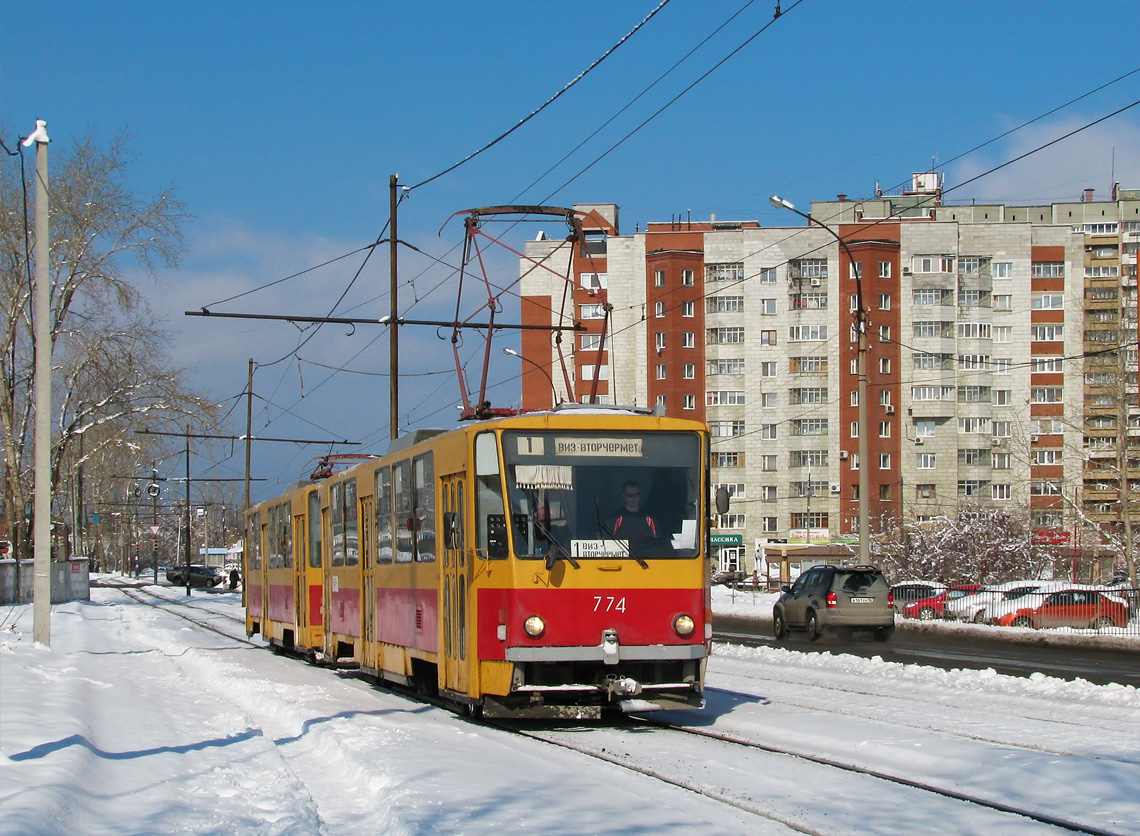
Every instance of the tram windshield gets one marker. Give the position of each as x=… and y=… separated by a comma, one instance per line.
x=588, y=495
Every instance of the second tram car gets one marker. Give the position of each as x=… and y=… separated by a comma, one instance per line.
x=542, y=560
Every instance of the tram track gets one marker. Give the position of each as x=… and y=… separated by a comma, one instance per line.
x=766, y=807
x=616, y=744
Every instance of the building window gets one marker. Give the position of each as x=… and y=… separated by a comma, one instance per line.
x=924, y=428
x=768, y=525
x=733, y=365
x=974, y=330
x=689, y=402
x=809, y=394
x=688, y=371
x=1001, y=461
x=1001, y=269
x=1048, y=364
x=603, y=372
x=768, y=307
x=733, y=272
x=884, y=269
x=727, y=336
x=1003, y=429
x=768, y=463
x=593, y=311
x=1048, y=301
x=884, y=429
x=728, y=459
x=726, y=397
x=687, y=278
x=925, y=461
x=932, y=264
x=594, y=281
x=884, y=461
x=659, y=339
x=1048, y=270
x=661, y=371
x=1003, y=333
x=590, y=342
x=768, y=400
x=806, y=333
x=768, y=493
x=809, y=426
x=767, y=275
x=768, y=369
x=724, y=304
x=1001, y=492
x=884, y=301
x=969, y=487
x=1046, y=394
x=661, y=400
x=855, y=270
x=766, y=337
x=688, y=309
x=885, y=493
x=659, y=310
x=688, y=340
x=807, y=365
x=726, y=429
x=659, y=278
x=926, y=491
x=1047, y=333
x=1003, y=302
x=1002, y=397
x=884, y=365
x=853, y=429
x=768, y=431
x=973, y=425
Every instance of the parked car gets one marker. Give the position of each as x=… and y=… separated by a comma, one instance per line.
x=1080, y=608
x=839, y=598
x=207, y=576
x=973, y=607
x=905, y=592
x=926, y=609
x=1025, y=594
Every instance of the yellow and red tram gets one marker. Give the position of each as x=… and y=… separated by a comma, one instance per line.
x=500, y=565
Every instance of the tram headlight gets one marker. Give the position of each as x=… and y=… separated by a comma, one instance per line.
x=534, y=626
x=684, y=625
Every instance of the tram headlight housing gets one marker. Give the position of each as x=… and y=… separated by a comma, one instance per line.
x=534, y=626
x=684, y=625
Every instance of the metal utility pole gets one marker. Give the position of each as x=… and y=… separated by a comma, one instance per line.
x=394, y=332
x=248, y=429
x=186, y=543
x=41, y=566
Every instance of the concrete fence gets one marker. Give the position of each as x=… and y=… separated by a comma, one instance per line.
x=69, y=581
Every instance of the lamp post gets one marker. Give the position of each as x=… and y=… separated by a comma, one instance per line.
x=550, y=380
x=861, y=329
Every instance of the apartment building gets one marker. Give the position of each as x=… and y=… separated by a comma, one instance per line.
x=993, y=378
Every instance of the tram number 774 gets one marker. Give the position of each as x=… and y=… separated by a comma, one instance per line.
x=612, y=603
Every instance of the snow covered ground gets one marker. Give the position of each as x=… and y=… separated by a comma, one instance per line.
x=138, y=722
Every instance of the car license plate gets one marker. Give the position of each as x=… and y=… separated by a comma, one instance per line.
x=862, y=600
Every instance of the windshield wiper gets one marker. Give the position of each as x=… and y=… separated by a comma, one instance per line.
x=557, y=550
x=605, y=529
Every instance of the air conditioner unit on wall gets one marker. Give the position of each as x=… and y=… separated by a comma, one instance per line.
x=919, y=442
x=843, y=455
x=890, y=410
x=1032, y=439
x=815, y=282
x=835, y=487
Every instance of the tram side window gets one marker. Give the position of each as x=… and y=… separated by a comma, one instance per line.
x=285, y=532
x=351, y=524
x=424, y=471
x=490, y=511
x=402, y=511
x=272, y=543
x=336, y=523
x=314, y=523
x=253, y=540
x=383, y=515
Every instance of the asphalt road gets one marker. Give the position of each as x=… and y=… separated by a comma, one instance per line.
x=949, y=649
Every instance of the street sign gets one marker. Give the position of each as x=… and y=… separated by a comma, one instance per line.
x=727, y=539
x=153, y=529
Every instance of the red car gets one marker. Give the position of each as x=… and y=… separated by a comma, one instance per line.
x=1081, y=608
x=926, y=609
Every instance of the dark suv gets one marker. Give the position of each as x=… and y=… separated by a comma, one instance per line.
x=199, y=576
x=839, y=598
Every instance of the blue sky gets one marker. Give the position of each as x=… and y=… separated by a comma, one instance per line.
x=280, y=123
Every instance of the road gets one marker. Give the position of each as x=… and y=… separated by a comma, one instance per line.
x=949, y=649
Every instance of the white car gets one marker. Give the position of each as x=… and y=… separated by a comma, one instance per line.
x=1016, y=598
x=971, y=607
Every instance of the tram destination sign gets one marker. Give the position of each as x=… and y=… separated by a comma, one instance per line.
x=593, y=446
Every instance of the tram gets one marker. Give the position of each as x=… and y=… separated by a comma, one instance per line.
x=519, y=563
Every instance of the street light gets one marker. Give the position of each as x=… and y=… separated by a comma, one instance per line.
x=861, y=329
x=553, y=391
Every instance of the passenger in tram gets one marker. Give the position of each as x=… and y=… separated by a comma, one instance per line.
x=631, y=523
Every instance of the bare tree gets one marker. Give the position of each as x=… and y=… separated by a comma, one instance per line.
x=109, y=364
